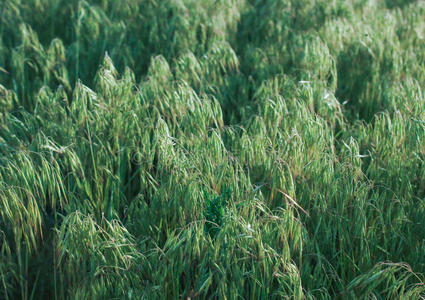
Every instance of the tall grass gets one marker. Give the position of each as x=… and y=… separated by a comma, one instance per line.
x=212, y=149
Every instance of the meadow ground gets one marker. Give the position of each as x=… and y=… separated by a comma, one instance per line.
x=231, y=149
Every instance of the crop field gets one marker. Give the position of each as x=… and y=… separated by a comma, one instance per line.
x=212, y=149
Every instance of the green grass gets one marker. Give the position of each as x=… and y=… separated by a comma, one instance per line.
x=206, y=149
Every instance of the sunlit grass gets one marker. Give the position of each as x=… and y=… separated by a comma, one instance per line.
x=212, y=149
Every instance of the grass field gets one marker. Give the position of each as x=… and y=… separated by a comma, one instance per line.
x=230, y=149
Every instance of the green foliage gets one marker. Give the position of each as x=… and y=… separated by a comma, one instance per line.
x=121, y=120
x=215, y=211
